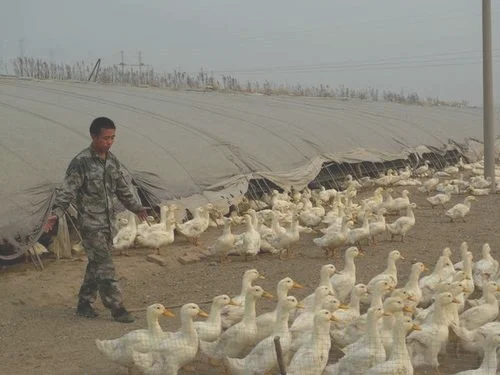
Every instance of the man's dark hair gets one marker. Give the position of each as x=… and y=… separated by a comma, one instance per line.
x=101, y=123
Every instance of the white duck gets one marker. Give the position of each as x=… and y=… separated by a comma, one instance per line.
x=163, y=220
x=473, y=340
x=240, y=336
x=141, y=227
x=460, y=210
x=464, y=249
x=430, y=184
x=403, y=224
x=266, y=321
x=264, y=231
x=224, y=243
x=210, y=329
x=423, y=169
x=478, y=192
x=484, y=268
x=365, y=353
x=193, y=228
x=352, y=310
x=303, y=323
x=424, y=345
x=125, y=237
x=121, y=350
x=262, y=359
x=456, y=288
x=233, y=314
x=177, y=350
x=448, y=272
x=476, y=316
x=283, y=241
x=429, y=283
x=412, y=286
x=439, y=199
x=312, y=357
x=342, y=282
x=390, y=274
x=451, y=169
x=247, y=243
x=400, y=203
x=334, y=240
x=394, y=307
x=325, y=273
x=357, y=235
x=300, y=338
x=467, y=275
x=399, y=361
x=157, y=238
x=357, y=327
x=378, y=226
x=312, y=216
x=490, y=362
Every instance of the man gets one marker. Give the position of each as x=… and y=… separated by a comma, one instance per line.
x=93, y=177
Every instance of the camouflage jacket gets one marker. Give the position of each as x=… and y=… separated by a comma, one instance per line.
x=91, y=184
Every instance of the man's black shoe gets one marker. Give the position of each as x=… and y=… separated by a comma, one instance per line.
x=86, y=310
x=123, y=316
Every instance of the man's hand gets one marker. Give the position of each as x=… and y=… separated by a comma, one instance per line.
x=143, y=215
x=50, y=223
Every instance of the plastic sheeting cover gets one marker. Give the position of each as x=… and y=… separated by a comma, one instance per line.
x=181, y=144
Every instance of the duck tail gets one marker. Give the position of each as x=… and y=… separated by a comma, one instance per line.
x=236, y=365
x=106, y=347
x=208, y=348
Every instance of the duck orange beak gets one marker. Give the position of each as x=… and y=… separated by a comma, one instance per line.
x=267, y=295
x=333, y=318
x=297, y=285
x=407, y=310
x=454, y=300
x=300, y=306
x=202, y=314
x=168, y=313
x=416, y=327
x=233, y=303
x=262, y=277
x=343, y=306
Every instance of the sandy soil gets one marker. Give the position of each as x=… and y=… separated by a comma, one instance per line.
x=40, y=334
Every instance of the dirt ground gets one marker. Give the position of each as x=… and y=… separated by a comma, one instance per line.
x=40, y=334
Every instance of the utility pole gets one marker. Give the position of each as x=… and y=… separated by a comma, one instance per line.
x=488, y=109
x=140, y=64
x=122, y=64
x=2, y=58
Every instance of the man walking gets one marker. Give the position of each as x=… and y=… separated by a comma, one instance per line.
x=93, y=177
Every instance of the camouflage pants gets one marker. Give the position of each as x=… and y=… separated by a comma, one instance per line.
x=100, y=272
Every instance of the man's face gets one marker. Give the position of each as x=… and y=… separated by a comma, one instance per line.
x=104, y=141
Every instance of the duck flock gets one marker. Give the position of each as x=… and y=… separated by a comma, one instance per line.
x=387, y=326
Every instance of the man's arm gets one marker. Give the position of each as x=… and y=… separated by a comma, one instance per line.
x=72, y=182
x=127, y=198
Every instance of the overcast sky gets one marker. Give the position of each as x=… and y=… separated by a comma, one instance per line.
x=429, y=46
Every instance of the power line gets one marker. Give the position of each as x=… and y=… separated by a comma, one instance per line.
x=458, y=56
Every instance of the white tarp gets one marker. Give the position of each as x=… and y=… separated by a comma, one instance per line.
x=189, y=142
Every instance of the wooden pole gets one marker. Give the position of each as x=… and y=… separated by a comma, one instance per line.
x=279, y=355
